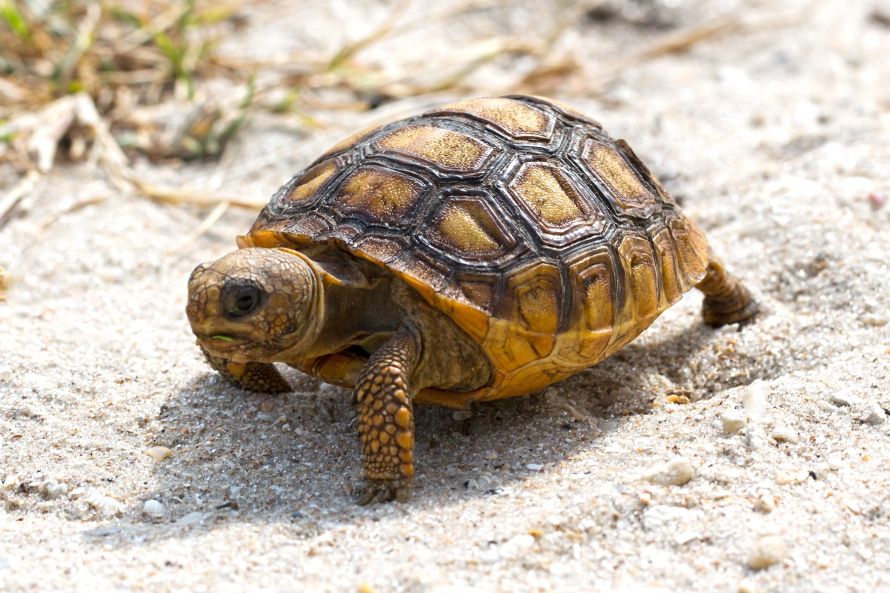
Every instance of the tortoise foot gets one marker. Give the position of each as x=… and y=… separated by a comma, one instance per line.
x=377, y=491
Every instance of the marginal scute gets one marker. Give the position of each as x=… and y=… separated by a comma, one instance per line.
x=624, y=185
x=345, y=233
x=311, y=225
x=446, y=149
x=424, y=278
x=526, y=323
x=516, y=118
x=383, y=195
x=480, y=291
x=691, y=249
x=638, y=262
x=594, y=309
x=665, y=256
x=466, y=227
x=381, y=250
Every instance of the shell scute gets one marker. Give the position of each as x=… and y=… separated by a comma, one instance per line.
x=514, y=118
x=466, y=227
x=448, y=150
x=309, y=183
x=553, y=203
x=378, y=194
x=622, y=184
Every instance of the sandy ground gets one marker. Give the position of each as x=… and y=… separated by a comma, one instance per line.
x=774, y=136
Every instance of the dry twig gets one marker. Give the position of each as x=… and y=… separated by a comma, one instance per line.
x=10, y=201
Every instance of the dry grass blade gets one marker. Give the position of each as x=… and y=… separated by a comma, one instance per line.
x=64, y=70
x=350, y=50
x=731, y=23
x=473, y=58
x=547, y=77
x=149, y=49
x=685, y=40
x=179, y=197
x=10, y=201
x=206, y=224
x=77, y=206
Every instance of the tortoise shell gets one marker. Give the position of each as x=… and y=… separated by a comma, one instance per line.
x=545, y=240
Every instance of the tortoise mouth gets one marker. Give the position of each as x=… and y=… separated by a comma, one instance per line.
x=222, y=343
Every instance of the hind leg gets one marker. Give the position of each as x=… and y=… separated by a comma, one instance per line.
x=726, y=298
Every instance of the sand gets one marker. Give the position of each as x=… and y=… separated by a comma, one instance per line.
x=748, y=460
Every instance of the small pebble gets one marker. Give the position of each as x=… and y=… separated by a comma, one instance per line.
x=159, y=453
x=676, y=472
x=783, y=434
x=843, y=399
x=517, y=544
x=836, y=461
x=481, y=483
x=754, y=400
x=661, y=516
x=873, y=319
x=192, y=518
x=535, y=467
x=765, y=504
x=747, y=586
x=461, y=415
x=154, y=508
x=12, y=482
x=52, y=490
x=105, y=506
x=871, y=413
x=786, y=476
x=876, y=200
x=732, y=421
x=755, y=437
x=769, y=550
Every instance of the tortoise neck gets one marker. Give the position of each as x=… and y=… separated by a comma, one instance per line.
x=310, y=307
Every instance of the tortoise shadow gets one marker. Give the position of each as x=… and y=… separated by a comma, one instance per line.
x=295, y=458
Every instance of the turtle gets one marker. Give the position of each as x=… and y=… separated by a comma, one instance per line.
x=480, y=250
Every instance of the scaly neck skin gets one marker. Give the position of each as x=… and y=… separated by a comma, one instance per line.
x=354, y=316
x=342, y=315
x=314, y=315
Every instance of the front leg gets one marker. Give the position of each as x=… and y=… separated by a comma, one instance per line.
x=386, y=422
x=252, y=376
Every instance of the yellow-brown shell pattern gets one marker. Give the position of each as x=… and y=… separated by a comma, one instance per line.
x=546, y=240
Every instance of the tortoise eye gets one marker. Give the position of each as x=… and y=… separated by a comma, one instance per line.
x=241, y=299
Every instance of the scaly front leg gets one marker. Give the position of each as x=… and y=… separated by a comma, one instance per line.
x=386, y=422
x=252, y=376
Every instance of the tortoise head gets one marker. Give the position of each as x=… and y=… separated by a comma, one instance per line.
x=254, y=304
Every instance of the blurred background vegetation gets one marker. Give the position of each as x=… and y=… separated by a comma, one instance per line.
x=110, y=81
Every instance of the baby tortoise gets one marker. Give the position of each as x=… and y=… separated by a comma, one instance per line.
x=484, y=249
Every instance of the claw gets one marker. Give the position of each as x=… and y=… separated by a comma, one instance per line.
x=380, y=491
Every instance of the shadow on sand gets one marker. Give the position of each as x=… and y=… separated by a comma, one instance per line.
x=244, y=457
